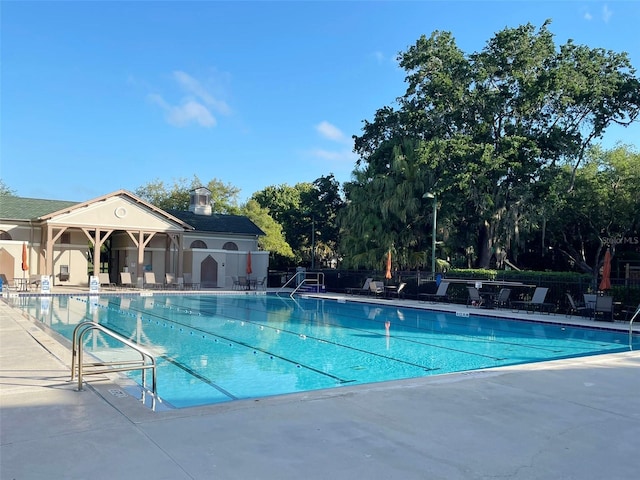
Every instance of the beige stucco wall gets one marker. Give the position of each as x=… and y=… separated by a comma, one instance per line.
x=121, y=213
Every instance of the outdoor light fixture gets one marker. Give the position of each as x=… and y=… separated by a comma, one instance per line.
x=433, y=232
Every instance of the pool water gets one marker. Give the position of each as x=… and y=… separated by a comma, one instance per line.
x=219, y=348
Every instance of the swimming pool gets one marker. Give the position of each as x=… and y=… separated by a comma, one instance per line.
x=219, y=348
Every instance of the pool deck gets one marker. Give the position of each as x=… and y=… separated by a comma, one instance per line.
x=567, y=419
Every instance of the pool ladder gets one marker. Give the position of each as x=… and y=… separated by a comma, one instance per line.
x=303, y=279
x=146, y=361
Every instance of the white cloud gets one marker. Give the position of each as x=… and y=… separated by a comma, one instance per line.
x=331, y=132
x=195, y=107
x=606, y=13
x=188, y=112
x=193, y=87
x=587, y=16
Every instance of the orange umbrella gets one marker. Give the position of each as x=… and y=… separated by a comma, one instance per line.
x=249, y=271
x=25, y=265
x=605, y=283
x=387, y=275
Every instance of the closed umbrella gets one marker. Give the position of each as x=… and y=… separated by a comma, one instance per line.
x=249, y=271
x=25, y=265
x=605, y=283
x=387, y=275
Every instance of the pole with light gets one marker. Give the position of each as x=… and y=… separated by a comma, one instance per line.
x=433, y=232
x=313, y=242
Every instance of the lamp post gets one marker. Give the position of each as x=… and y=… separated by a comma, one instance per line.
x=313, y=242
x=433, y=232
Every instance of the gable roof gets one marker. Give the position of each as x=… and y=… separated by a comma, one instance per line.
x=26, y=209
x=218, y=223
x=119, y=193
x=20, y=208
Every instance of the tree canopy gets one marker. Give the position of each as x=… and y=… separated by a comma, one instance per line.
x=224, y=196
x=486, y=133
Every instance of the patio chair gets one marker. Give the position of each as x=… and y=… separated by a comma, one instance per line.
x=105, y=281
x=364, y=290
x=261, y=284
x=150, y=280
x=125, y=280
x=536, y=303
x=474, y=299
x=440, y=295
x=575, y=309
x=504, y=298
x=604, y=307
x=243, y=283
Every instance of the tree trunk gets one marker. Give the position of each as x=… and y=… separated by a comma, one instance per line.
x=485, y=244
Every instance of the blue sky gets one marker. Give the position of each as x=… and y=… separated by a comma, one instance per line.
x=98, y=96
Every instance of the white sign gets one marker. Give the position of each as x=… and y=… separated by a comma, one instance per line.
x=45, y=284
x=94, y=284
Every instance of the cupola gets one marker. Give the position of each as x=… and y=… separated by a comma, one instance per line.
x=200, y=201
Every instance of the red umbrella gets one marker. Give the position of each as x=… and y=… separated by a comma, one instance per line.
x=249, y=271
x=25, y=265
x=605, y=283
x=387, y=275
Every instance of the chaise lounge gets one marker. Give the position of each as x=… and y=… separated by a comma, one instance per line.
x=537, y=302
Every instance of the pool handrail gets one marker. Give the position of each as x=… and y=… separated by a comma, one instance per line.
x=147, y=360
x=633, y=317
x=318, y=280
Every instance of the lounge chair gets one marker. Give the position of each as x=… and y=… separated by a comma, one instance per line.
x=105, y=281
x=376, y=288
x=474, y=299
x=6, y=285
x=170, y=281
x=189, y=283
x=575, y=309
x=536, y=303
x=504, y=298
x=440, y=295
x=397, y=292
x=34, y=281
x=261, y=284
x=125, y=280
x=150, y=280
x=604, y=307
x=364, y=290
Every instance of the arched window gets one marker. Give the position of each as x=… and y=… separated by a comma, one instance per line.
x=198, y=244
x=230, y=246
x=6, y=236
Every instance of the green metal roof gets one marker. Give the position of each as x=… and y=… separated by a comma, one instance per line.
x=20, y=208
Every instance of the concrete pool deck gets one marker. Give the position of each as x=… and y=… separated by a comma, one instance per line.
x=569, y=419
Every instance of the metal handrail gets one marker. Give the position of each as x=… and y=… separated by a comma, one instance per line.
x=306, y=280
x=147, y=360
x=632, y=319
x=319, y=280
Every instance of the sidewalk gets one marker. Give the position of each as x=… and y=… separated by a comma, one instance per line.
x=570, y=419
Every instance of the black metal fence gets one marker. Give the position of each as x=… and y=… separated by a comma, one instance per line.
x=418, y=282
